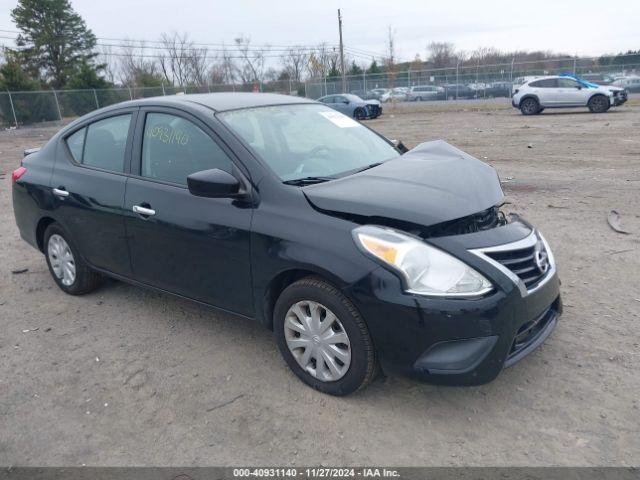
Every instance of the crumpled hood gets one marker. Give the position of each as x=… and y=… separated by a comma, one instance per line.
x=432, y=183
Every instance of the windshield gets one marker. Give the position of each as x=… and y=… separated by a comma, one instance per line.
x=309, y=140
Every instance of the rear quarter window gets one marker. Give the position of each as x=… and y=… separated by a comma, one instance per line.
x=75, y=143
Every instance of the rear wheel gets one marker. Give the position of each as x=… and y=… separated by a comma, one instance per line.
x=322, y=337
x=67, y=268
x=598, y=104
x=529, y=106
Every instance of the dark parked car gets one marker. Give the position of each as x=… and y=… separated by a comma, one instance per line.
x=498, y=89
x=454, y=91
x=353, y=105
x=280, y=209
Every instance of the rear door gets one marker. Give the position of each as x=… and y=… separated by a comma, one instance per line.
x=545, y=90
x=88, y=185
x=193, y=246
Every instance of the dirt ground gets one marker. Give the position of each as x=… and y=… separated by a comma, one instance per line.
x=126, y=376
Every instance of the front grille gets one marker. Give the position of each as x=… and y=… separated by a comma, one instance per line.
x=529, y=332
x=522, y=262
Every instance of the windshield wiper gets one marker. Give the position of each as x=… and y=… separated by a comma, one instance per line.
x=368, y=167
x=308, y=180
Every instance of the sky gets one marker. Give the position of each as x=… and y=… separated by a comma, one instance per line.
x=582, y=27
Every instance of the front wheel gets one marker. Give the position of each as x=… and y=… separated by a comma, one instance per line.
x=359, y=114
x=529, y=106
x=322, y=337
x=598, y=104
x=68, y=269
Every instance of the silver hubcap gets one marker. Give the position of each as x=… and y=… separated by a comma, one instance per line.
x=61, y=259
x=317, y=340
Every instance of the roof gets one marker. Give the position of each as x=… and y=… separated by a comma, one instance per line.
x=221, y=102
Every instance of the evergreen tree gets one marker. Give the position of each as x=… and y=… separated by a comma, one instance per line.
x=54, y=41
x=355, y=69
x=14, y=78
x=374, y=68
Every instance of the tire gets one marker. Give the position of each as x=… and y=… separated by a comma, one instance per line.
x=313, y=293
x=63, y=259
x=598, y=104
x=418, y=99
x=529, y=106
x=359, y=114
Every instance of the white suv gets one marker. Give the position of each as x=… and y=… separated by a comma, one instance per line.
x=563, y=91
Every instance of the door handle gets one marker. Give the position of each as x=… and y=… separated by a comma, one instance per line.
x=60, y=192
x=143, y=210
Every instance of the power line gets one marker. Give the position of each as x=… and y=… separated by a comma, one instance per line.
x=187, y=52
x=261, y=46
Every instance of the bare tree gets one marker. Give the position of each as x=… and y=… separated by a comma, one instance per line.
x=294, y=62
x=198, y=66
x=441, y=54
x=108, y=59
x=389, y=60
x=181, y=62
x=319, y=61
x=323, y=62
x=135, y=69
x=253, y=60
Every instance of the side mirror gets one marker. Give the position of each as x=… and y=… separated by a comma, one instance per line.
x=214, y=183
x=579, y=87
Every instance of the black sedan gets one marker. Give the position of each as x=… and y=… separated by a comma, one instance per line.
x=283, y=210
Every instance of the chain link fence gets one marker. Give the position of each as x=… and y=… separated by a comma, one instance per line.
x=459, y=82
x=474, y=81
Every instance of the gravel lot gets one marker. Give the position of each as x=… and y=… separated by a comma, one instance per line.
x=126, y=376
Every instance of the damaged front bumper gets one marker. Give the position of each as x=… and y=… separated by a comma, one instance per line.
x=460, y=341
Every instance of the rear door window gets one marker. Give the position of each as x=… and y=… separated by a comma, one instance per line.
x=546, y=83
x=102, y=144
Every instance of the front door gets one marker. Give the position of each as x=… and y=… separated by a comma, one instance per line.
x=193, y=246
x=342, y=105
x=570, y=92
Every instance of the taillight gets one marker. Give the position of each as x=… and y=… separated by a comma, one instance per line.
x=17, y=173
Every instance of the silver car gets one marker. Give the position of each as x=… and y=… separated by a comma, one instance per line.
x=425, y=92
x=353, y=106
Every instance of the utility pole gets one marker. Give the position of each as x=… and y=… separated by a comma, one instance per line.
x=344, y=78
